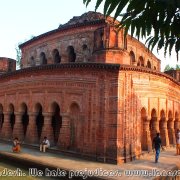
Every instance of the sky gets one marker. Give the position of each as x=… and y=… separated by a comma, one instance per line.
x=22, y=19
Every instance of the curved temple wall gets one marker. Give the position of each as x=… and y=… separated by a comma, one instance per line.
x=90, y=39
x=91, y=92
x=104, y=109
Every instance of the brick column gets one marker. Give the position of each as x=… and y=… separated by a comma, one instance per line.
x=147, y=136
x=31, y=133
x=6, y=131
x=18, y=127
x=47, y=129
x=155, y=127
x=171, y=132
x=164, y=133
x=64, y=136
x=176, y=124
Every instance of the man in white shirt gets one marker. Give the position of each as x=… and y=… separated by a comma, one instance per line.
x=178, y=142
x=45, y=144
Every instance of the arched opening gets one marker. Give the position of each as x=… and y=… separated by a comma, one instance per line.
x=32, y=61
x=12, y=116
x=75, y=127
x=141, y=61
x=86, y=53
x=170, y=127
x=25, y=118
x=149, y=64
x=56, y=56
x=1, y=116
x=39, y=119
x=176, y=122
x=132, y=57
x=71, y=54
x=153, y=124
x=154, y=67
x=144, y=130
x=99, y=39
x=43, y=59
x=56, y=122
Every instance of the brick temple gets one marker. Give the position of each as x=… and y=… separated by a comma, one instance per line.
x=91, y=91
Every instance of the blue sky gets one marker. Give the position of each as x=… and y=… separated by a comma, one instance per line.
x=21, y=19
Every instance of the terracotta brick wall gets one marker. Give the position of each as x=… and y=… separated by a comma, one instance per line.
x=7, y=65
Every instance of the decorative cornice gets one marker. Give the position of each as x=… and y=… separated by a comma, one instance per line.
x=147, y=70
x=92, y=66
x=62, y=66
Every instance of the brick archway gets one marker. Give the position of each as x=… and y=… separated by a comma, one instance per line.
x=56, y=56
x=154, y=127
x=25, y=118
x=56, y=122
x=12, y=116
x=39, y=119
x=163, y=128
x=71, y=54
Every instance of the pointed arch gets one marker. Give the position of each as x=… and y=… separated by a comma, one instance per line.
x=56, y=121
x=56, y=56
x=12, y=116
x=43, y=59
x=71, y=54
x=148, y=64
x=132, y=57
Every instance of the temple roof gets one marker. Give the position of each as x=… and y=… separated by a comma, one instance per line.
x=87, y=17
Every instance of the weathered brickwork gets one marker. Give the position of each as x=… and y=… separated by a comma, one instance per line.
x=68, y=90
x=7, y=65
x=174, y=73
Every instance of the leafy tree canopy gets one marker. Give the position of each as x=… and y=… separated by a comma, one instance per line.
x=168, y=67
x=146, y=17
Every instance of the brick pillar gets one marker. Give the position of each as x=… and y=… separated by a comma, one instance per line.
x=171, y=132
x=164, y=133
x=31, y=133
x=18, y=127
x=6, y=131
x=176, y=124
x=155, y=127
x=64, y=136
x=47, y=129
x=146, y=136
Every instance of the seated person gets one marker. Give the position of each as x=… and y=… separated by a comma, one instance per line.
x=16, y=145
x=44, y=144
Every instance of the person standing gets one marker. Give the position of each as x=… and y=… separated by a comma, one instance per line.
x=178, y=142
x=157, y=146
x=45, y=144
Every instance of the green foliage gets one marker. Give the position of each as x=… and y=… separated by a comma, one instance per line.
x=18, y=55
x=144, y=17
x=168, y=67
x=177, y=67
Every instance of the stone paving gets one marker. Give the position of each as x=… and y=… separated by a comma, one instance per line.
x=145, y=167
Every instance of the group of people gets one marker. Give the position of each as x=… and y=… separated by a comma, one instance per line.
x=157, y=145
x=43, y=145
